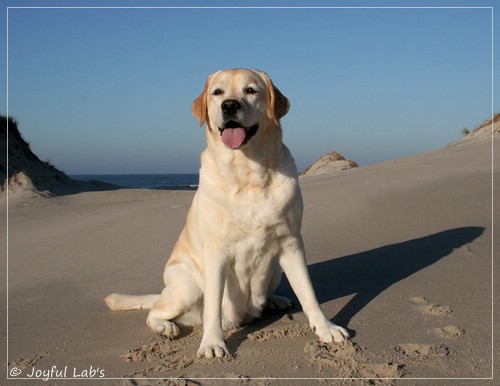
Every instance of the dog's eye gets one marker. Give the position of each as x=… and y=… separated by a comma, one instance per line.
x=217, y=91
x=250, y=90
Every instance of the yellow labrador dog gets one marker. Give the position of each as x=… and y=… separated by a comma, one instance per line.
x=244, y=223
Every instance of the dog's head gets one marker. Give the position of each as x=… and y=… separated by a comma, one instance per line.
x=238, y=105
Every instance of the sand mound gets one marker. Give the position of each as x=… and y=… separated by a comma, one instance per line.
x=329, y=163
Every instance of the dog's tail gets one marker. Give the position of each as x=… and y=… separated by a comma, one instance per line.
x=118, y=302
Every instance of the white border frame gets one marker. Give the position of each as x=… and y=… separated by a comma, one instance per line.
x=491, y=8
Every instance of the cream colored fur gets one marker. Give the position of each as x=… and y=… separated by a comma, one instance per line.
x=242, y=229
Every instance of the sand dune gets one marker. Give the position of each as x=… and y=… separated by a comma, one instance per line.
x=399, y=252
x=27, y=177
x=483, y=131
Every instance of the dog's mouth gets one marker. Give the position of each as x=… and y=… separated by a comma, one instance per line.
x=235, y=135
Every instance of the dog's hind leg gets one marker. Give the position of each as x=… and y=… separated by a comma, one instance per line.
x=118, y=302
x=180, y=301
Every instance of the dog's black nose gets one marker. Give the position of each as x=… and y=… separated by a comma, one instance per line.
x=230, y=106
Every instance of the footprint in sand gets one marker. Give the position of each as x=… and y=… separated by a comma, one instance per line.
x=350, y=360
x=430, y=309
x=424, y=351
x=162, y=354
x=418, y=350
x=381, y=371
x=28, y=361
x=449, y=332
x=293, y=331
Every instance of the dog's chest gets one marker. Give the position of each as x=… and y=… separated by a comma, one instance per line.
x=260, y=206
x=256, y=210
x=260, y=221
x=252, y=217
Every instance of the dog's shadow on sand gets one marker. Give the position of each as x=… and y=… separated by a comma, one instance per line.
x=369, y=273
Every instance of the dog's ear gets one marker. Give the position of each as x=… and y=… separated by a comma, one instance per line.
x=278, y=103
x=199, y=106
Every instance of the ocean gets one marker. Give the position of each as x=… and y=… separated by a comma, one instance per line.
x=145, y=181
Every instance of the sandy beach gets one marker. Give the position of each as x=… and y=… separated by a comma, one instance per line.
x=399, y=252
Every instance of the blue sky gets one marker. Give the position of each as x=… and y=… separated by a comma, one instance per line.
x=110, y=90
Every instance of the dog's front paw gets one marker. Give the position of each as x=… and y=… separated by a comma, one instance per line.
x=330, y=331
x=214, y=350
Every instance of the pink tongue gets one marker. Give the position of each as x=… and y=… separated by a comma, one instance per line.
x=234, y=138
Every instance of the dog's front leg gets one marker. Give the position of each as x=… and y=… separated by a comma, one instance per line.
x=293, y=263
x=212, y=343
